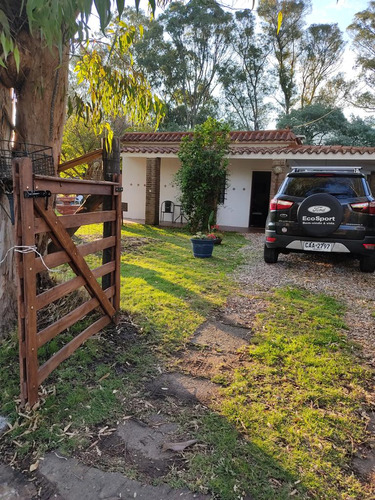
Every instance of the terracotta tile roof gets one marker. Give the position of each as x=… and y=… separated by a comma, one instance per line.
x=304, y=150
x=284, y=136
x=150, y=149
x=258, y=150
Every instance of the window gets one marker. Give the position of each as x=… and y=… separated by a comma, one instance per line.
x=223, y=192
x=301, y=187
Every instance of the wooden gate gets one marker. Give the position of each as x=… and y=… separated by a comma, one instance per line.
x=35, y=215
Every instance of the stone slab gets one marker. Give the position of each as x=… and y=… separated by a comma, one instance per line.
x=75, y=481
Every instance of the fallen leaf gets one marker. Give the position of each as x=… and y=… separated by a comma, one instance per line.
x=34, y=466
x=67, y=427
x=178, y=446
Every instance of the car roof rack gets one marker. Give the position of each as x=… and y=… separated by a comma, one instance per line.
x=352, y=170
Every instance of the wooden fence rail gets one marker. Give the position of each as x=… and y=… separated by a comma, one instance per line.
x=35, y=214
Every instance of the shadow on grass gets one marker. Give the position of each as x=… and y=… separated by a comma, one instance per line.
x=83, y=393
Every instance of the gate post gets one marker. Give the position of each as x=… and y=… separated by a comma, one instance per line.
x=27, y=317
x=111, y=171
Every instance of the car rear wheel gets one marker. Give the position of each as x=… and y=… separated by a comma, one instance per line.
x=271, y=255
x=320, y=215
x=367, y=264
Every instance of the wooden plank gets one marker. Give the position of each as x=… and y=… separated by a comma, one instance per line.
x=68, y=180
x=61, y=186
x=69, y=319
x=19, y=278
x=69, y=348
x=76, y=220
x=111, y=170
x=60, y=233
x=58, y=258
x=117, y=283
x=59, y=291
x=86, y=158
x=29, y=279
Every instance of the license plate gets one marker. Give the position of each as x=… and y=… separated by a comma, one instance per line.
x=317, y=246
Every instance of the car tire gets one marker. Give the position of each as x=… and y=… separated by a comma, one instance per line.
x=270, y=255
x=367, y=264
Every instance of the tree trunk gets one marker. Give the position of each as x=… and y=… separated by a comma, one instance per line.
x=41, y=89
x=8, y=291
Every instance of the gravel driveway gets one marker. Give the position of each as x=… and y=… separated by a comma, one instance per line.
x=334, y=275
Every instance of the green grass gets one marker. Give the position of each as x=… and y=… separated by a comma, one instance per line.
x=290, y=419
x=163, y=287
x=299, y=400
x=167, y=290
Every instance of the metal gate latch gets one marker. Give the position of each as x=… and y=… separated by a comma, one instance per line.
x=38, y=194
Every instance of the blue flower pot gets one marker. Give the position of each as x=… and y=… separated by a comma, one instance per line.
x=202, y=248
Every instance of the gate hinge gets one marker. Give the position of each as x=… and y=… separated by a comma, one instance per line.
x=38, y=194
x=119, y=189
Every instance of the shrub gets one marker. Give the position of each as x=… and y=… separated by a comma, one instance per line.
x=203, y=173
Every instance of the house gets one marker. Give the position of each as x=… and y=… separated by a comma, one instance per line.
x=258, y=163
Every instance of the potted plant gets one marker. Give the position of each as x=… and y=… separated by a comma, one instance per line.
x=203, y=245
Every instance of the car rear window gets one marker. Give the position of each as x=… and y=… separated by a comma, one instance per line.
x=348, y=187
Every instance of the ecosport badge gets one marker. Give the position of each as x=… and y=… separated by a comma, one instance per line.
x=319, y=209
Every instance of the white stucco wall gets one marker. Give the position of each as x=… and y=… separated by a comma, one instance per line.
x=134, y=183
x=236, y=210
x=168, y=190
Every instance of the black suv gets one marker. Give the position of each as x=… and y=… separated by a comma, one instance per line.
x=323, y=210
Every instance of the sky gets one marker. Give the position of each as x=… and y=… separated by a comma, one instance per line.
x=331, y=11
x=323, y=11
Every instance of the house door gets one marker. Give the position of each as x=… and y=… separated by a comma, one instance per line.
x=260, y=194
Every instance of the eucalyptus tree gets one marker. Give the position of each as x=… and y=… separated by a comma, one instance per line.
x=35, y=39
x=181, y=52
x=322, y=49
x=286, y=42
x=245, y=78
x=36, y=36
x=363, y=32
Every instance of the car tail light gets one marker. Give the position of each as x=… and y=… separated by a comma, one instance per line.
x=276, y=204
x=367, y=207
x=369, y=246
x=270, y=239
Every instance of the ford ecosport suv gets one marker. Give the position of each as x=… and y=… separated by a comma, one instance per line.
x=323, y=210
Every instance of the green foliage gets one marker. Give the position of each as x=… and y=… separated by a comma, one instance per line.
x=106, y=90
x=112, y=90
x=363, y=32
x=356, y=132
x=286, y=42
x=52, y=21
x=316, y=122
x=203, y=171
x=78, y=139
x=323, y=47
x=327, y=125
x=181, y=53
x=244, y=77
